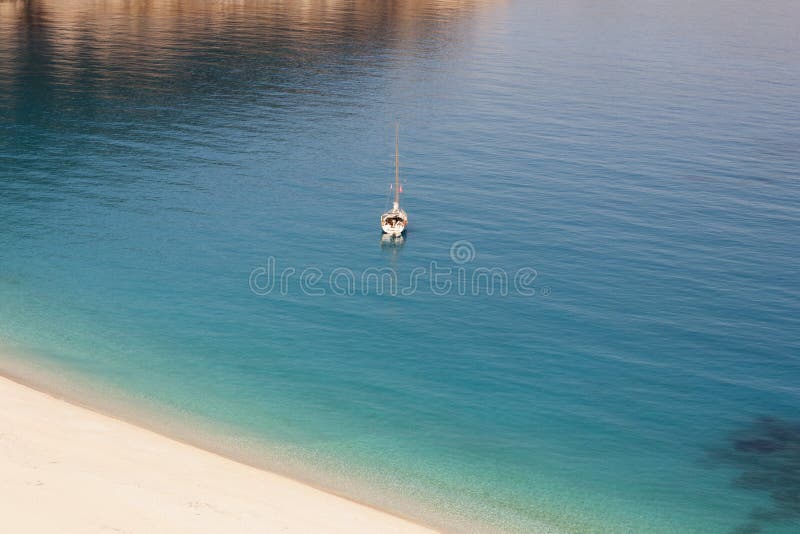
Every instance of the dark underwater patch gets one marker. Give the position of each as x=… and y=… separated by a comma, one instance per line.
x=766, y=452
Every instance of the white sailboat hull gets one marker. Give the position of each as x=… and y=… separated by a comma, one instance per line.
x=394, y=222
x=393, y=230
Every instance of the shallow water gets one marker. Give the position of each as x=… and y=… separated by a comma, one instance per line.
x=639, y=158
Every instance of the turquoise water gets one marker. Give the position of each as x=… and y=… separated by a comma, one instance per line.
x=639, y=158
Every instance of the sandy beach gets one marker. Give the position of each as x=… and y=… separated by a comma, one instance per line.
x=68, y=469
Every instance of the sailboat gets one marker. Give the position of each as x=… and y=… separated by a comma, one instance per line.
x=395, y=221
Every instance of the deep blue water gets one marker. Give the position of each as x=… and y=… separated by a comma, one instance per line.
x=641, y=158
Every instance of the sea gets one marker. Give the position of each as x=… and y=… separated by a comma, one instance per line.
x=592, y=323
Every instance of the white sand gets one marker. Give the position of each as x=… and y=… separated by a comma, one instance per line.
x=67, y=469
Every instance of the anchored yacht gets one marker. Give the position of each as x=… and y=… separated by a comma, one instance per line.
x=395, y=221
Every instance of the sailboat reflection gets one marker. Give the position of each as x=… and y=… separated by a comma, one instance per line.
x=392, y=241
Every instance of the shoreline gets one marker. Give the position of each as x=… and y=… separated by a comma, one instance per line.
x=93, y=472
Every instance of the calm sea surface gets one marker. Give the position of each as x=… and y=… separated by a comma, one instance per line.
x=179, y=179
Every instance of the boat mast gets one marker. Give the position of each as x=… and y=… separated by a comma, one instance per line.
x=397, y=167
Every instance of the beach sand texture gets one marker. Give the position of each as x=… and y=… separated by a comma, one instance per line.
x=68, y=469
